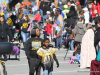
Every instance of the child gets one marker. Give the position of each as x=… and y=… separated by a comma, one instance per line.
x=76, y=55
x=45, y=30
x=96, y=15
x=32, y=45
x=53, y=29
x=49, y=26
x=71, y=42
x=48, y=54
x=58, y=35
x=86, y=16
x=35, y=9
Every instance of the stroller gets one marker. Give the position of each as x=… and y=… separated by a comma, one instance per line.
x=16, y=46
x=5, y=48
x=35, y=23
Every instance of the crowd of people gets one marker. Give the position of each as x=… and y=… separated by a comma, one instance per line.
x=66, y=23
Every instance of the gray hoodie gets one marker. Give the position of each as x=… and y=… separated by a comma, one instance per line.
x=79, y=32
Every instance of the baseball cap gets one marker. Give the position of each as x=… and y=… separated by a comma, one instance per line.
x=58, y=22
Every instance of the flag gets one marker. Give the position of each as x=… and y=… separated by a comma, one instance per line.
x=85, y=3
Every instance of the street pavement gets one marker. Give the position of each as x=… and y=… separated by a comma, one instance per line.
x=16, y=67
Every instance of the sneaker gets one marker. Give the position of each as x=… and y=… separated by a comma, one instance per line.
x=71, y=51
x=56, y=49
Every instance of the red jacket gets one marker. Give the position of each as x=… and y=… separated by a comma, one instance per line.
x=95, y=7
x=49, y=29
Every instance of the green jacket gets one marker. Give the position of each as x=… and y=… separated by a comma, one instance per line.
x=65, y=11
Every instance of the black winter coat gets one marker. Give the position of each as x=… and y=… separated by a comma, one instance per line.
x=97, y=36
x=4, y=31
x=70, y=19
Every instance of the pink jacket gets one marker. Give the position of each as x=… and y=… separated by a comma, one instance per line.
x=72, y=59
x=55, y=25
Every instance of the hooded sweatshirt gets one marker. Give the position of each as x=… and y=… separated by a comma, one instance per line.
x=79, y=32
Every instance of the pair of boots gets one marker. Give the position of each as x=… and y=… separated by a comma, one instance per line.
x=24, y=44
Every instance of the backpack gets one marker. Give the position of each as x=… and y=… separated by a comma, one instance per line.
x=48, y=59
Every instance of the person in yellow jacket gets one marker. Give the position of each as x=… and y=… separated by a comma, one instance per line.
x=47, y=53
x=66, y=10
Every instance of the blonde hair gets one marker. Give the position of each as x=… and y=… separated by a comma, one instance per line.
x=45, y=23
x=89, y=26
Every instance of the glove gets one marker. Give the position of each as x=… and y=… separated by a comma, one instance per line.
x=57, y=64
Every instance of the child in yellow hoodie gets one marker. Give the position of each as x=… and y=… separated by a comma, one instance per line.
x=47, y=53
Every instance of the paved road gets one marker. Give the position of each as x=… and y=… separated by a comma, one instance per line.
x=15, y=67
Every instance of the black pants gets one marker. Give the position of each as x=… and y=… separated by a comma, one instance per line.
x=12, y=31
x=3, y=39
x=32, y=69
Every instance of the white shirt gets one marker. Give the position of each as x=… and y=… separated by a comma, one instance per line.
x=86, y=17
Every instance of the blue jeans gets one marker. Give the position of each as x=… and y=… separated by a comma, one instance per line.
x=63, y=26
x=93, y=19
x=28, y=11
x=34, y=13
x=47, y=72
x=58, y=42
x=44, y=18
x=41, y=11
x=71, y=45
x=25, y=36
x=77, y=58
x=86, y=24
x=6, y=15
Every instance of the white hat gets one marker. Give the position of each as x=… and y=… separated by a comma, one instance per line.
x=50, y=18
x=48, y=12
x=86, y=9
